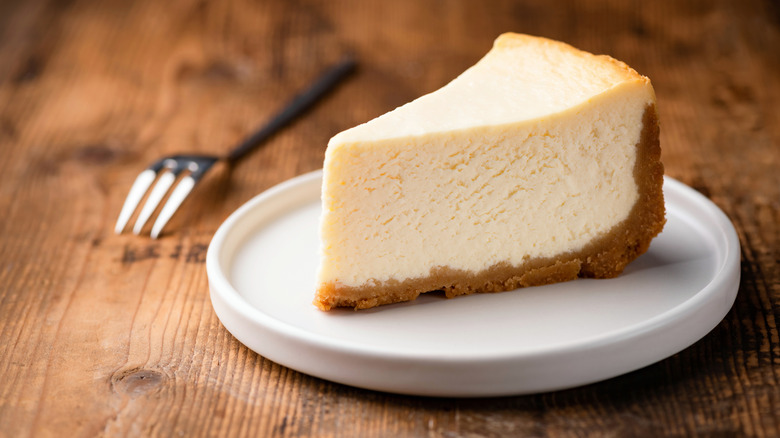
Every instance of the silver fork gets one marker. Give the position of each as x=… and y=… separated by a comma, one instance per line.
x=168, y=169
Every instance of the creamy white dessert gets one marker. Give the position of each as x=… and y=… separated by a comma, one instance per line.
x=538, y=164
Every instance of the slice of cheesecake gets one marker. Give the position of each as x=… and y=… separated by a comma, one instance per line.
x=539, y=164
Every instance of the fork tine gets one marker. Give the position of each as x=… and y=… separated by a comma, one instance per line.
x=198, y=166
x=180, y=192
x=159, y=190
x=142, y=183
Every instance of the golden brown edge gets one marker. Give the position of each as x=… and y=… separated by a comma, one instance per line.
x=605, y=257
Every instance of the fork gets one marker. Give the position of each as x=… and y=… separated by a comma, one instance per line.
x=168, y=169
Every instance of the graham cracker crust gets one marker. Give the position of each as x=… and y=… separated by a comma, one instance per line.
x=605, y=257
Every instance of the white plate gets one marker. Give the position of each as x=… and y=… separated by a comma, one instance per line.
x=261, y=266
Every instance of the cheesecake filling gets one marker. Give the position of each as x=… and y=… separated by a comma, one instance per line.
x=514, y=192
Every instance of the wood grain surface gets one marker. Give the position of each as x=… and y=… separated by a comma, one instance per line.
x=106, y=335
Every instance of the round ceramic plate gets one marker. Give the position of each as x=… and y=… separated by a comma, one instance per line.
x=261, y=266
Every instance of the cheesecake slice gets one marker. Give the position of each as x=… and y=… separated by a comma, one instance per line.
x=539, y=164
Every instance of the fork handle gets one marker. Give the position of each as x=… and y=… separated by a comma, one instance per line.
x=297, y=106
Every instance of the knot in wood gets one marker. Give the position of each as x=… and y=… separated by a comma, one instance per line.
x=95, y=154
x=135, y=382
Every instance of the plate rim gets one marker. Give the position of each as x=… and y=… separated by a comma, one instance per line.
x=727, y=275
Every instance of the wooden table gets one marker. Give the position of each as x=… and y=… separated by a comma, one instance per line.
x=104, y=334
